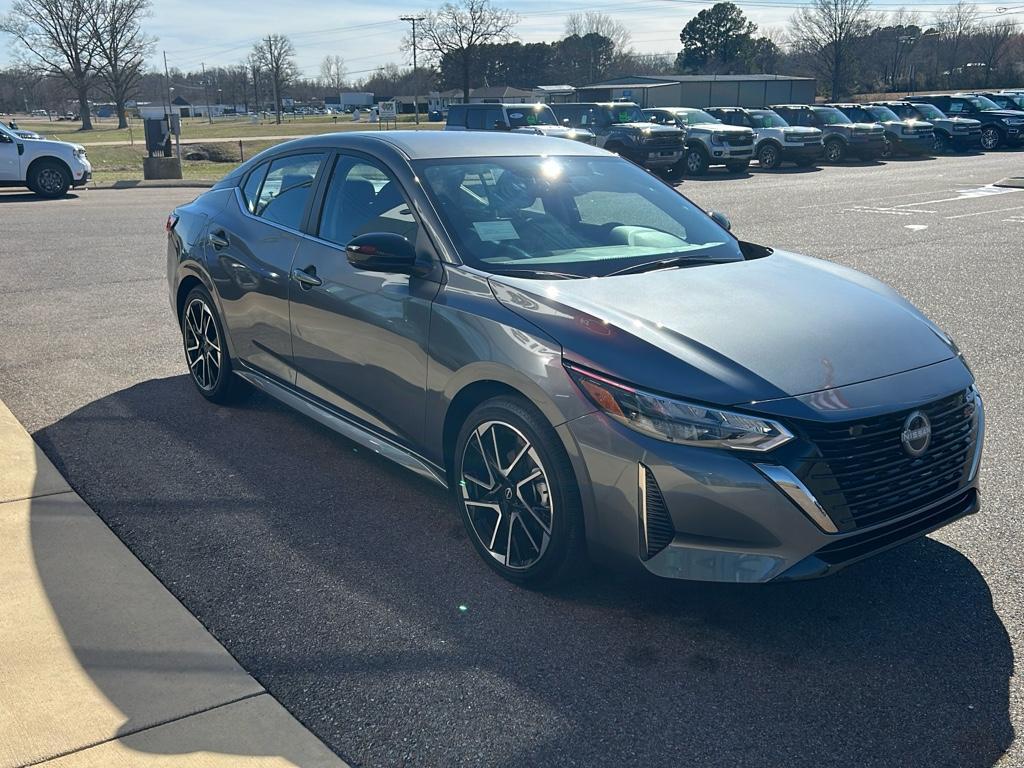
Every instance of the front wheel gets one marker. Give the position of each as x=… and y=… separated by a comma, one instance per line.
x=517, y=493
x=696, y=161
x=940, y=144
x=49, y=178
x=888, y=149
x=769, y=157
x=206, y=352
x=991, y=138
x=835, y=151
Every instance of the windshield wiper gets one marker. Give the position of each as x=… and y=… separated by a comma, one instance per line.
x=674, y=261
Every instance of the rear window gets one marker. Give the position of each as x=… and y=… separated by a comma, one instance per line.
x=251, y=188
x=287, y=188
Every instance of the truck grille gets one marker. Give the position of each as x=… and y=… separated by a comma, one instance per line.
x=864, y=476
x=744, y=140
x=664, y=142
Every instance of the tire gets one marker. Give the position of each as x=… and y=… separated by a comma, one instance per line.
x=769, y=157
x=50, y=179
x=737, y=167
x=835, y=151
x=206, y=351
x=940, y=144
x=695, y=161
x=529, y=532
x=991, y=138
x=888, y=150
x=673, y=174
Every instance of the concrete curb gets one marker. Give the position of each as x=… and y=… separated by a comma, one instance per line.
x=153, y=184
x=102, y=666
x=1016, y=182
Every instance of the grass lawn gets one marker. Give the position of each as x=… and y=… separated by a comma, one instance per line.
x=114, y=163
x=193, y=128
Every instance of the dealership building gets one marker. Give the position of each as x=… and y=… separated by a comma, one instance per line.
x=703, y=90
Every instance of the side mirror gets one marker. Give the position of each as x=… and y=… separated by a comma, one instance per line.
x=5, y=139
x=722, y=220
x=382, y=252
x=566, y=123
x=501, y=125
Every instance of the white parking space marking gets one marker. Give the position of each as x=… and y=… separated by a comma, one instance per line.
x=982, y=213
x=915, y=227
x=966, y=194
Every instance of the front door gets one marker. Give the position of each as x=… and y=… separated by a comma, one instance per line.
x=359, y=338
x=10, y=161
x=251, y=248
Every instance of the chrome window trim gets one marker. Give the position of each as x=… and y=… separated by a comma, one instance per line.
x=799, y=494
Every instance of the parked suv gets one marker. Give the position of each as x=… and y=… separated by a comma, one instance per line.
x=709, y=141
x=519, y=118
x=48, y=168
x=842, y=137
x=622, y=128
x=999, y=127
x=775, y=140
x=910, y=137
x=1007, y=99
x=960, y=134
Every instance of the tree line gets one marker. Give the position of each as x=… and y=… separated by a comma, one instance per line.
x=466, y=44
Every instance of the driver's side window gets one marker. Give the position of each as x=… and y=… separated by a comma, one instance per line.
x=361, y=198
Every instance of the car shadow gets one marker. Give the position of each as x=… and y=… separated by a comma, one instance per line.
x=349, y=589
x=789, y=170
x=31, y=197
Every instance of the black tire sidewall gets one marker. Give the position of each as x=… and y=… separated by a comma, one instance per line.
x=42, y=166
x=775, y=154
x=565, y=546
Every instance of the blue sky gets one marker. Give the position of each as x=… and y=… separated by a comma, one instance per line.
x=368, y=34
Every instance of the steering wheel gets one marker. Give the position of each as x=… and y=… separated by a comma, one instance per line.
x=515, y=192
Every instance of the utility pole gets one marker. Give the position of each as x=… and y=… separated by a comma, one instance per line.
x=167, y=83
x=415, y=77
x=206, y=90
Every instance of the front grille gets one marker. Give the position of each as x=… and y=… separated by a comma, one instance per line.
x=860, y=544
x=659, y=530
x=663, y=142
x=863, y=476
x=740, y=141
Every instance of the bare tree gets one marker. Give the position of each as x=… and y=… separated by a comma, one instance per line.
x=121, y=49
x=592, y=22
x=458, y=29
x=955, y=24
x=831, y=31
x=276, y=56
x=332, y=73
x=252, y=63
x=992, y=42
x=58, y=43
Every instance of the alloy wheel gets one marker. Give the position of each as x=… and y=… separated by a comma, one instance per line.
x=989, y=138
x=833, y=151
x=50, y=181
x=694, y=162
x=202, y=344
x=769, y=157
x=506, y=494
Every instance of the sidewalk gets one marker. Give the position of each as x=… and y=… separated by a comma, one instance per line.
x=100, y=666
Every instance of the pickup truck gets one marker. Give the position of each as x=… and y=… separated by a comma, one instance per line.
x=709, y=141
x=623, y=128
x=48, y=168
x=842, y=137
x=775, y=140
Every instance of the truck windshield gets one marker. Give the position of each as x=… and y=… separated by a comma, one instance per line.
x=768, y=119
x=929, y=112
x=832, y=116
x=531, y=114
x=883, y=114
x=697, y=117
x=983, y=103
x=627, y=113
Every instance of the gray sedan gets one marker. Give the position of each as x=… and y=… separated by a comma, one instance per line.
x=593, y=366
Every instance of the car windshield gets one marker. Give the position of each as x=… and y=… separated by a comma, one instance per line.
x=627, y=113
x=883, y=114
x=768, y=119
x=859, y=115
x=697, y=117
x=930, y=112
x=982, y=103
x=573, y=216
x=531, y=114
x=832, y=116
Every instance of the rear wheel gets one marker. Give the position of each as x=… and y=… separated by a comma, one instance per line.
x=696, y=161
x=991, y=138
x=518, y=495
x=835, y=151
x=769, y=157
x=49, y=178
x=206, y=353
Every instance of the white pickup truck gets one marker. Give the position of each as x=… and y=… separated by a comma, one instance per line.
x=48, y=168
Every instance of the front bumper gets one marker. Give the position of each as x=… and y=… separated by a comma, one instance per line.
x=660, y=158
x=867, y=148
x=716, y=516
x=802, y=151
x=724, y=154
x=965, y=141
x=81, y=173
x=914, y=145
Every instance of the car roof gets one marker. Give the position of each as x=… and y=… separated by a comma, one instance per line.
x=419, y=145
x=608, y=104
x=492, y=105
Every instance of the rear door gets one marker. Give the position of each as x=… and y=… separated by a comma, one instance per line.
x=359, y=337
x=10, y=160
x=251, y=245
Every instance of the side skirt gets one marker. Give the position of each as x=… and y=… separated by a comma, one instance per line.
x=346, y=427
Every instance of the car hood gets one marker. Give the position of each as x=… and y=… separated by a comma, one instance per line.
x=740, y=332
x=560, y=131
x=56, y=146
x=1012, y=113
x=722, y=128
x=965, y=121
x=648, y=127
x=805, y=129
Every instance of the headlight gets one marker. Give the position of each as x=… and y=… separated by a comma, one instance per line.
x=79, y=152
x=1013, y=121
x=718, y=138
x=676, y=421
x=792, y=136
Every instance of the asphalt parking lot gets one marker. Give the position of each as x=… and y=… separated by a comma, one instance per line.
x=347, y=587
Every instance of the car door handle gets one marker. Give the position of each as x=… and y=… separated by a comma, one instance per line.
x=218, y=239
x=307, y=277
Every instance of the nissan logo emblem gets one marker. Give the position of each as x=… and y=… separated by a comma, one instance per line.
x=916, y=434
